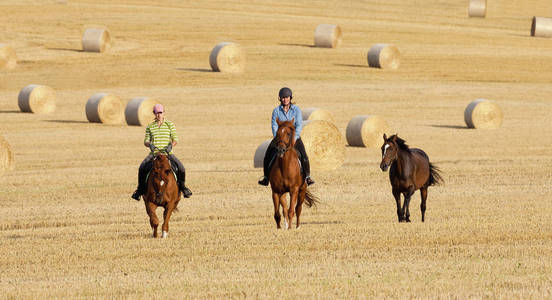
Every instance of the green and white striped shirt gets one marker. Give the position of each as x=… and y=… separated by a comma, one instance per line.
x=160, y=136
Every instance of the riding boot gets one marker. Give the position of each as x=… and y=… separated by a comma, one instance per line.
x=181, y=175
x=141, y=189
x=270, y=154
x=304, y=160
x=181, y=184
x=306, y=168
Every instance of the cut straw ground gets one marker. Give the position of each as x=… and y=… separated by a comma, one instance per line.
x=8, y=59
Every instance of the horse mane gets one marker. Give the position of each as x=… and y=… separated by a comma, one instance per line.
x=400, y=142
x=287, y=124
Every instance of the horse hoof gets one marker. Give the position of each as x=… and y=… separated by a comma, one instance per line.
x=164, y=235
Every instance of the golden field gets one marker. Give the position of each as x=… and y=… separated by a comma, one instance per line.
x=68, y=227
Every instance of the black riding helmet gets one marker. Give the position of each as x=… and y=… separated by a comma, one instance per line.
x=285, y=92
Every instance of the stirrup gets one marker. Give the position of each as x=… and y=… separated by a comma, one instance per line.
x=263, y=181
x=309, y=181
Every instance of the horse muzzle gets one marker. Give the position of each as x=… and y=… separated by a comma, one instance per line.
x=281, y=151
x=384, y=166
x=158, y=197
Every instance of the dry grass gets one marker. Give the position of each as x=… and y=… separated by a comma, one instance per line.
x=69, y=227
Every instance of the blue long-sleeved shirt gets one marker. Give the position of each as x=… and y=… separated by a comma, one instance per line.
x=294, y=112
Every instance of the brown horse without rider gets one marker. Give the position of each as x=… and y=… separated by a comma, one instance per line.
x=285, y=177
x=410, y=170
x=162, y=190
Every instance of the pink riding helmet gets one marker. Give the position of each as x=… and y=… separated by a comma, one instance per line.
x=158, y=108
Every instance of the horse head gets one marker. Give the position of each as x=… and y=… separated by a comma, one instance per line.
x=160, y=175
x=389, y=151
x=285, y=136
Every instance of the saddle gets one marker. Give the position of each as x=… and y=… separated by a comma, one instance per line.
x=298, y=160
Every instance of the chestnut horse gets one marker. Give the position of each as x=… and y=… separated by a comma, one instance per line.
x=285, y=177
x=410, y=170
x=162, y=190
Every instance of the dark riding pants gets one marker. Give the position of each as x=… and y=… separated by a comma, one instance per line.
x=147, y=164
x=271, y=152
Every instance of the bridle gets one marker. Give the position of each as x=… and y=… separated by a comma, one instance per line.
x=159, y=190
x=287, y=145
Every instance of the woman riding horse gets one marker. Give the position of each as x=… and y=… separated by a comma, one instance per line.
x=286, y=111
x=160, y=137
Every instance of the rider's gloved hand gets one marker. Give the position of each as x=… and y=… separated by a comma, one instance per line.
x=169, y=148
x=152, y=147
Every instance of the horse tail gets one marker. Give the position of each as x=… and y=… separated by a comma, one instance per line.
x=310, y=199
x=435, y=177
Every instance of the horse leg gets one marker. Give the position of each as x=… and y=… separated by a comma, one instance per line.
x=283, y=203
x=166, y=216
x=406, y=204
x=423, y=194
x=277, y=216
x=292, y=205
x=299, y=206
x=397, y=196
x=154, y=221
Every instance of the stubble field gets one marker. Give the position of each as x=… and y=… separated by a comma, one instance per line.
x=69, y=228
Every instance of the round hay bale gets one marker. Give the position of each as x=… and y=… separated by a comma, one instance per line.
x=6, y=157
x=139, y=111
x=260, y=153
x=8, y=60
x=37, y=99
x=483, y=114
x=327, y=36
x=96, y=40
x=227, y=57
x=104, y=108
x=366, y=131
x=324, y=145
x=384, y=56
x=541, y=27
x=477, y=8
x=313, y=113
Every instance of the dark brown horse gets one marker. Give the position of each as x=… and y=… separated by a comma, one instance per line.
x=285, y=177
x=162, y=190
x=410, y=171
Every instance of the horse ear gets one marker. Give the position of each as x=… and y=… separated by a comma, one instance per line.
x=278, y=121
x=293, y=121
x=384, y=137
x=395, y=138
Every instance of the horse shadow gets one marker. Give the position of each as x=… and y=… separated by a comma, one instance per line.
x=10, y=111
